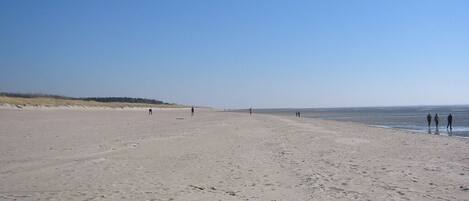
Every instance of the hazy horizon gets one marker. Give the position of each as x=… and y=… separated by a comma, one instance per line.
x=240, y=54
x=246, y=108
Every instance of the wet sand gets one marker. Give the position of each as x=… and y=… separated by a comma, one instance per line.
x=75, y=154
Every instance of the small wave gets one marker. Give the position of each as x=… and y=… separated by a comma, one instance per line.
x=460, y=129
x=380, y=126
x=461, y=132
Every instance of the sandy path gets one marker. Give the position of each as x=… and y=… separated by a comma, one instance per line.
x=128, y=155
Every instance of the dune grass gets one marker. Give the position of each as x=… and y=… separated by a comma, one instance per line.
x=54, y=102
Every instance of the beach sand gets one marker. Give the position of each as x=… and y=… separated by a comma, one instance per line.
x=77, y=154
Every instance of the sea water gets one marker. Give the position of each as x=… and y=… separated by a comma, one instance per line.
x=412, y=118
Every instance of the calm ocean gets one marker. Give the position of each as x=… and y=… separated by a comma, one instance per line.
x=407, y=118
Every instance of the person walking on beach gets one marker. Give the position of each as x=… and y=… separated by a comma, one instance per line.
x=429, y=120
x=450, y=122
x=250, y=111
x=299, y=115
x=192, y=111
x=437, y=121
x=150, y=112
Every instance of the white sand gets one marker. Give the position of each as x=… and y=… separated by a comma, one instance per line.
x=128, y=155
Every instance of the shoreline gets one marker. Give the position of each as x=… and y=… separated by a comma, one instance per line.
x=407, y=131
x=144, y=109
x=443, y=131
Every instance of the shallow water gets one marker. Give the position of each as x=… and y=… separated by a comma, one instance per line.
x=407, y=118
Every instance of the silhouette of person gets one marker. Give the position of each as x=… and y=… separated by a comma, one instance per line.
x=296, y=114
x=150, y=112
x=192, y=111
x=450, y=122
x=429, y=120
x=299, y=114
x=437, y=121
x=250, y=111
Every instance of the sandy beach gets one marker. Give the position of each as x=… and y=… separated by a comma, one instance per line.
x=77, y=154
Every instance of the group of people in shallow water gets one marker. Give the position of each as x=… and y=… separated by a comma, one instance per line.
x=436, y=118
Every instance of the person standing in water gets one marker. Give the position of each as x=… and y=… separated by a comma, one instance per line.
x=192, y=111
x=450, y=122
x=429, y=120
x=437, y=121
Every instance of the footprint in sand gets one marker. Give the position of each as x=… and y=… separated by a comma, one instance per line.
x=351, y=141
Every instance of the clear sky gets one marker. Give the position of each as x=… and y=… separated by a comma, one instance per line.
x=240, y=53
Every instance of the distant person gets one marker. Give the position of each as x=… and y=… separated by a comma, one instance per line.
x=299, y=115
x=450, y=122
x=429, y=120
x=192, y=111
x=437, y=121
x=150, y=112
x=250, y=111
x=296, y=114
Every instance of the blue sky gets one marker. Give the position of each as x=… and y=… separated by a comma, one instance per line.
x=235, y=54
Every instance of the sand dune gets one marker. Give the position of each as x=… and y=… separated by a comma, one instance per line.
x=128, y=155
x=7, y=102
